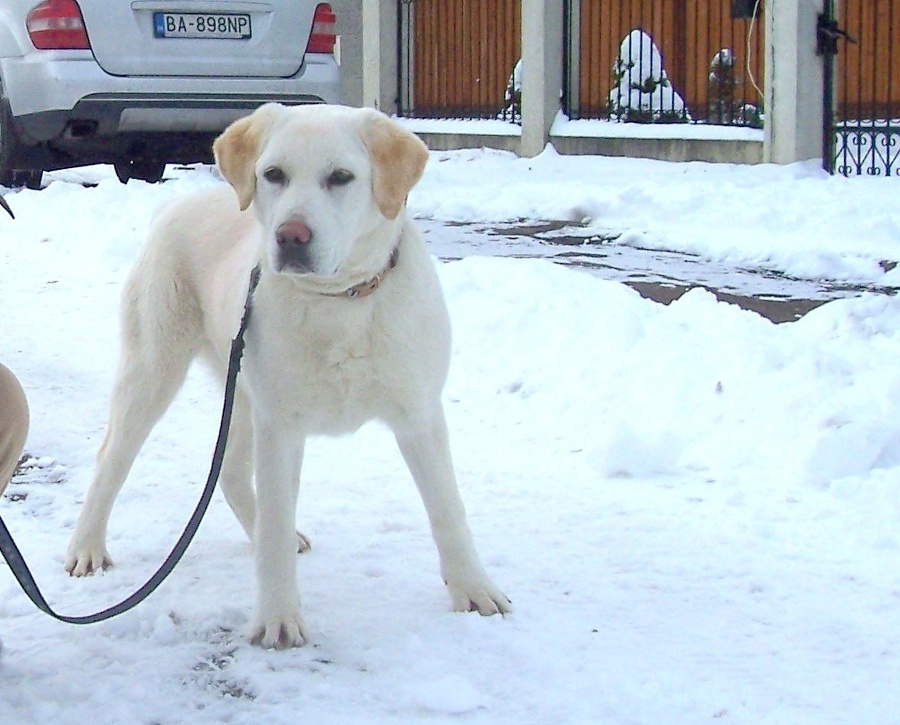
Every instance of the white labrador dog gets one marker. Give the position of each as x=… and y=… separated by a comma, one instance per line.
x=349, y=325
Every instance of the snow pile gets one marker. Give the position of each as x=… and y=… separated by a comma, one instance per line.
x=645, y=389
x=694, y=510
x=795, y=219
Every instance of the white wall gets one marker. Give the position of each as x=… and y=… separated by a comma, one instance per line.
x=379, y=48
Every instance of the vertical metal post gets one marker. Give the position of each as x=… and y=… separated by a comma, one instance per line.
x=405, y=64
x=572, y=59
x=890, y=136
x=828, y=130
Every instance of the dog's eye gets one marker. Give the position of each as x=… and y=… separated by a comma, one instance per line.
x=339, y=177
x=275, y=175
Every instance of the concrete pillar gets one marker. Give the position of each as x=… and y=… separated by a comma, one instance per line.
x=350, y=49
x=794, y=82
x=542, y=71
x=379, y=41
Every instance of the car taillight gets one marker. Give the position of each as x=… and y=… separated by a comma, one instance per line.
x=322, y=37
x=57, y=25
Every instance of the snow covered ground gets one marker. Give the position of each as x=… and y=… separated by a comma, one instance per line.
x=695, y=511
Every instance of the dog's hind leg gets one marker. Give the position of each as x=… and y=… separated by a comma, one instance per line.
x=236, y=479
x=157, y=350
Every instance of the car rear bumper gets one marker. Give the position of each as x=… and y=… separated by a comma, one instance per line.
x=101, y=116
x=50, y=99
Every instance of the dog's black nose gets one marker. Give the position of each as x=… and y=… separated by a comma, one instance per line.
x=293, y=234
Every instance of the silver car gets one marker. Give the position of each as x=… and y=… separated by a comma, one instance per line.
x=139, y=83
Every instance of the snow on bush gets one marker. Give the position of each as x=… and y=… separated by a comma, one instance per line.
x=513, y=97
x=643, y=92
x=724, y=104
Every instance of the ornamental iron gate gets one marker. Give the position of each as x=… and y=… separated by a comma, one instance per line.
x=862, y=86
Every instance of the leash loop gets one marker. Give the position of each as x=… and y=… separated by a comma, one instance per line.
x=17, y=562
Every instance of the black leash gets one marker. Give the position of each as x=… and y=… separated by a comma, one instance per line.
x=20, y=569
x=5, y=204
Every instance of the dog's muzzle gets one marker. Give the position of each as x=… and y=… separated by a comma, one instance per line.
x=294, y=240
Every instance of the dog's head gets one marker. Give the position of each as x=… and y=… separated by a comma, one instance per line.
x=323, y=180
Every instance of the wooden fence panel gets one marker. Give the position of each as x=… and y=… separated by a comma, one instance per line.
x=868, y=76
x=688, y=36
x=463, y=54
x=711, y=28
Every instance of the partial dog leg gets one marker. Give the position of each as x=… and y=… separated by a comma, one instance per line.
x=237, y=470
x=425, y=447
x=279, y=454
x=157, y=348
x=142, y=393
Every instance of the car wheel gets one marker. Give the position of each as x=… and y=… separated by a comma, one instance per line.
x=149, y=171
x=7, y=149
x=10, y=173
x=30, y=178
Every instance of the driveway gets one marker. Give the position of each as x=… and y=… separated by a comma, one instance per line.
x=658, y=275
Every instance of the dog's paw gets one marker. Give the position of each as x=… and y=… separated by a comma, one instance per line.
x=280, y=633
x=84, y=561
x=303, y=543
x=482, y=597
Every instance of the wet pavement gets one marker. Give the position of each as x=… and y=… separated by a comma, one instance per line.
x=658, y=275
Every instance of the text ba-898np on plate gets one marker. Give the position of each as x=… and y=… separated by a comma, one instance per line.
x=202, y=25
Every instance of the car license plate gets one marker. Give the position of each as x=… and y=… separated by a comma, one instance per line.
x=202, y=25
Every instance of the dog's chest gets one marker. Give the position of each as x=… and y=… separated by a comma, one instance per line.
x=327, y=374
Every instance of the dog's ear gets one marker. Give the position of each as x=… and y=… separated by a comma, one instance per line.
x=398, y=160
x=237, y=149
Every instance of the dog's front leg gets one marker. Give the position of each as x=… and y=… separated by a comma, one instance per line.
x=426, y=449
x=277, y=622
